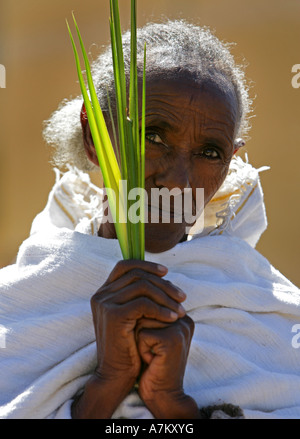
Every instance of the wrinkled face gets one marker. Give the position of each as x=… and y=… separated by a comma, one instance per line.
x=190, y=130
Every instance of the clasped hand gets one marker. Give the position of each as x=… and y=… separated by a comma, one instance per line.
x=142, y=331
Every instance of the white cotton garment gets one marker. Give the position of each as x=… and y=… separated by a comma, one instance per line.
x=243, y=352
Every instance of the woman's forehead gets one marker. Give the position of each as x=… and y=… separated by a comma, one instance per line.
x=182, y=82
x=183, y=94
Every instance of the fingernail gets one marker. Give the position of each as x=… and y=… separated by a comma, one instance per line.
x=173, y=315
x=181, y=310
x=181, y=294
x=162, y=268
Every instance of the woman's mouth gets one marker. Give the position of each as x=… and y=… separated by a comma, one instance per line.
x=159, y=215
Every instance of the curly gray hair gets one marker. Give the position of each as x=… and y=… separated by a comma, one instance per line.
x=171, y=46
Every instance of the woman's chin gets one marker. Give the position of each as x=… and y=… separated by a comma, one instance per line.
x=159, y=239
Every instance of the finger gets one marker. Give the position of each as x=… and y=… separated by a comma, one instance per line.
x=164, y=336
x=136, y=275
x=143, y=288
x=146, y=349
x=144, y=308
x=124, y=266
x=149, y=324
x=152, y=342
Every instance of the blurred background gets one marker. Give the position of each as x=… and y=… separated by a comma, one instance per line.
x=40, y=72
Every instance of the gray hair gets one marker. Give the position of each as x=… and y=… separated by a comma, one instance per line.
x=171, y=46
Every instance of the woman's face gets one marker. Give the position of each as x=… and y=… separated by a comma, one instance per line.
x=190, y=130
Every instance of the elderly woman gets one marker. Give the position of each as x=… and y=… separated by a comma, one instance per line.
x=202, y=327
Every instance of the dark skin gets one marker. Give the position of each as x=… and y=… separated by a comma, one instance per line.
x=141, y=327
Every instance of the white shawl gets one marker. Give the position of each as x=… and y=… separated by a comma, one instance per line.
x=244, y=350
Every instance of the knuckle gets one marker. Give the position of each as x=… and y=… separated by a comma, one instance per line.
x=135, y=274
x=189, y=325
x=127, y=263
x=189, y=321
x=99, y=293
x=143, y=285
x=94, y=300
x=120, y=267
x=183, y=327
x=144, y=303
x=97, y=300
x=122, y=264
x=147, y=307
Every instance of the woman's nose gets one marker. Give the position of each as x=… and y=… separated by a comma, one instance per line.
x=174, y=177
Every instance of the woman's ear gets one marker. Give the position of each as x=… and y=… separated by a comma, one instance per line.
x=238, y=143
x=87, y=137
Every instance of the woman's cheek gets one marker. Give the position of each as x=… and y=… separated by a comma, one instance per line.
x=150, y=167
x=211, y=179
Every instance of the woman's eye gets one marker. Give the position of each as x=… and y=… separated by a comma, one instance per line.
x=210, y=153
x=153, y=138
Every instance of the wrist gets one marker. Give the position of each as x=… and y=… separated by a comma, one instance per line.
x=172, y=405
x=100, y=398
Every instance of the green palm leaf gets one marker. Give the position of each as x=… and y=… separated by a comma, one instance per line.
x=131, y=144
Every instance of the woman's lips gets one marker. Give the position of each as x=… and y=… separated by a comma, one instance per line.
x=163, y=214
